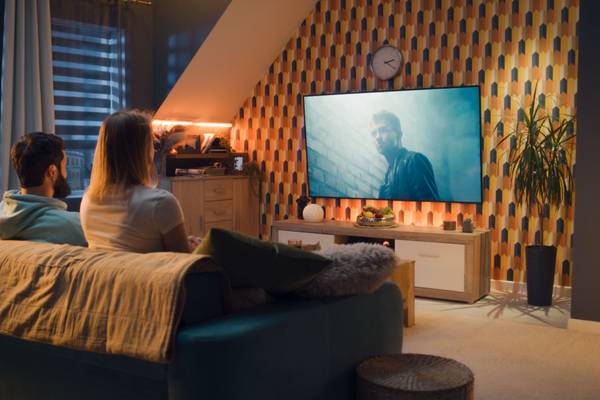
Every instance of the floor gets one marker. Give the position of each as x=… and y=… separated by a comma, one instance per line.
x=506, y=305
x=515, y=351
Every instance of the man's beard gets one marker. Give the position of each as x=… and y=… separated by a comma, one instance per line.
x=61, y=187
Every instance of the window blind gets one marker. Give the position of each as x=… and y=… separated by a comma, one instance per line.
x=89, y=84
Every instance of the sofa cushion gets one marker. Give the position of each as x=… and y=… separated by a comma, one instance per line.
x=251, y=262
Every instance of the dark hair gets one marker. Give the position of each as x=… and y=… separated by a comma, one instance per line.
x=33, y=154
x=390, y=119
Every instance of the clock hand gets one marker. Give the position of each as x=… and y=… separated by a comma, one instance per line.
x=391, y=66
x=389, y=61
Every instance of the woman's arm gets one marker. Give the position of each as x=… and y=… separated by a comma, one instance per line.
x=176, y=240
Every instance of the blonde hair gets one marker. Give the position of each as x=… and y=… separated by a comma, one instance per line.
x=122, y=156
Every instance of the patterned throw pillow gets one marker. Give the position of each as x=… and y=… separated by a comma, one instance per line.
x=253, y=263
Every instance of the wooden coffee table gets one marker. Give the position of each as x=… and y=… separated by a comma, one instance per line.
x=404, y=277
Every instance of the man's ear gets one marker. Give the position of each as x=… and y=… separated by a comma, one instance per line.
x=52, y=172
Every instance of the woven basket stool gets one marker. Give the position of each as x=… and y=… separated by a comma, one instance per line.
x=413, y=377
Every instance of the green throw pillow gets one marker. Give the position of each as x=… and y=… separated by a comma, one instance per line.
x=251, y=262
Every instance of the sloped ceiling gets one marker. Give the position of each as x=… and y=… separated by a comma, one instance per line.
x=180, y=27
x=225, y=69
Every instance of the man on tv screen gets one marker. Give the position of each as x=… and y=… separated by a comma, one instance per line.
x=409, y=174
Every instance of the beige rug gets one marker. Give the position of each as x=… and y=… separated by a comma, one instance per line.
x=506, y=305
x=511, y=360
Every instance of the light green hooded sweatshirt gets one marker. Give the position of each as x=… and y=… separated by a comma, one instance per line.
x=38, y=218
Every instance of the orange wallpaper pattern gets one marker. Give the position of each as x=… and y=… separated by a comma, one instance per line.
x=504, y=46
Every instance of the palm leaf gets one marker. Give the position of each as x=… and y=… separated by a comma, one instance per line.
x=541, y=159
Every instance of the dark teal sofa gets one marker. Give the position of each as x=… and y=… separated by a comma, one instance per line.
x=292, y=349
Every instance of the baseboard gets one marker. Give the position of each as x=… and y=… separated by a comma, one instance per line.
x=521, y=287
x=581, y=325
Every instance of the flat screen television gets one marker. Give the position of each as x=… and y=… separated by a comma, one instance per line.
x=413, y=145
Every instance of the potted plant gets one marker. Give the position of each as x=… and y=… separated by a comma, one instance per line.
x=540, y=159
x=256, y=178
x=165, y=139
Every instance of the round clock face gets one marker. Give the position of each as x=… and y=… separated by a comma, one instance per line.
x=386, y=62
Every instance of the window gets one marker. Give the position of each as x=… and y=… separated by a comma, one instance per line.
x=89, y=84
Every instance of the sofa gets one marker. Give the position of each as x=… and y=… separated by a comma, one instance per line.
x=291, y=348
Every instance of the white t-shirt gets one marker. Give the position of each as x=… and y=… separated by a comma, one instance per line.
x=135, y=222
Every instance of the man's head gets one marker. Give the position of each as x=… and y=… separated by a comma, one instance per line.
x=41, y=163
x=385, y=129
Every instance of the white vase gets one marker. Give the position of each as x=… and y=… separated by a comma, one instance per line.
x=313, y=213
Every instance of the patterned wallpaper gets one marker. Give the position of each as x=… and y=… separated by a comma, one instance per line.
x=504, y=46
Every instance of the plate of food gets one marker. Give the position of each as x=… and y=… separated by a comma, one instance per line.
x=376, y=217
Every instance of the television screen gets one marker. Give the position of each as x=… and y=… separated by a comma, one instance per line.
x=420, y=145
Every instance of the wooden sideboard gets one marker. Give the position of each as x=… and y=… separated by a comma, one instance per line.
x=215, y=201
x=449, y=265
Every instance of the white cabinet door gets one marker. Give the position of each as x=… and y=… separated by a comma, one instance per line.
x=437, y=265
x=307, y=238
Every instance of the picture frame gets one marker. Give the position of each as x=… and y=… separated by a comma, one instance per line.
x=237, y=163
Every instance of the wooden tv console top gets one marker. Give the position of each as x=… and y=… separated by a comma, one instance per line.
x=449, y=265
x=332, y=227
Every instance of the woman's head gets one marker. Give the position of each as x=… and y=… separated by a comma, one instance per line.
x=124, y=154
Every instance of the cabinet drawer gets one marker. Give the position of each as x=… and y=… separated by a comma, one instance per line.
x=437, y=265
x=218, y=211
x=306, y=238
x=218, y=189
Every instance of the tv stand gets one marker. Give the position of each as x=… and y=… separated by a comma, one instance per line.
x=449, y=265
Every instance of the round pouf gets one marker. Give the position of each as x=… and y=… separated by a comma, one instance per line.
x=313, y=213
x=413, y=377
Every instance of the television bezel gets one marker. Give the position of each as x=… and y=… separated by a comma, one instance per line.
x=387, y=91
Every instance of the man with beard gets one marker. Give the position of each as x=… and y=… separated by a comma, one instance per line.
x=35, y=212
x=410, y=174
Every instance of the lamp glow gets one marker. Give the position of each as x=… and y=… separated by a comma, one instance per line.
x=191, y=123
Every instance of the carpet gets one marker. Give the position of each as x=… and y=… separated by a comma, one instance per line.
x=510, y=360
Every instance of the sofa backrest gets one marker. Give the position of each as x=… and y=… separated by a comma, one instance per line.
x=117, y=302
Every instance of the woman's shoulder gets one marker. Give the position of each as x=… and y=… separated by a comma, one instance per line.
x=134, y=197
x=160, y=203
x=144, y=193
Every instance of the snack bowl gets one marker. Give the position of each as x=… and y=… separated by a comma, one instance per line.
x=387, y=220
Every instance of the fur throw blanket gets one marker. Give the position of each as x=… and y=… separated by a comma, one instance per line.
x=357, y=268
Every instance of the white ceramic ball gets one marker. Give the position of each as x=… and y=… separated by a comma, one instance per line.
x=313, y=213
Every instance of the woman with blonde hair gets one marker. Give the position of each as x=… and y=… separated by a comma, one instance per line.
x=122, y=209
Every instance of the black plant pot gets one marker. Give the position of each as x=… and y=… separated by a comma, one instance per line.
x=541, y=262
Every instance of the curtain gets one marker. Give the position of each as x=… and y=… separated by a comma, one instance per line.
x=1, y=43
x=27, y=90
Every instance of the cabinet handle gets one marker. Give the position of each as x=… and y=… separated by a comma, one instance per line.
x=201, y=223
x=429, y=255
x=218, y=212
x=219, y=190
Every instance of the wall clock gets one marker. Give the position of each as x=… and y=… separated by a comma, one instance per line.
x=386, y=62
